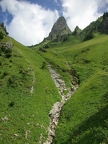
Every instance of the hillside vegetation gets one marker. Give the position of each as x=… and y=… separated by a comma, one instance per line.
x=84, y=117
x=27, y=94
x=27, y=91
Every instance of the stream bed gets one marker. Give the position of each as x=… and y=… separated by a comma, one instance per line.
x=54, y=114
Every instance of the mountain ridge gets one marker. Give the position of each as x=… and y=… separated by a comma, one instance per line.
x=59, y=29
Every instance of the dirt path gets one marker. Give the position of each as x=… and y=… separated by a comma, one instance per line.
x=54, y=114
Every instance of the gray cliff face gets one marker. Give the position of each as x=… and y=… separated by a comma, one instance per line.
x=60, y=28
x=55, y=112
x=104, y=24
x=77, y=31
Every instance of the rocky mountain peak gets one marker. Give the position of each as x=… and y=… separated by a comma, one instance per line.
x=104, y=25
x=59, y=28
x=77, y=30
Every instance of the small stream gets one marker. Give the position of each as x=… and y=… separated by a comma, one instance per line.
x=54, y=114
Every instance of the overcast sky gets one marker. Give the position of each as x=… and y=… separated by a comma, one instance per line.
x=30, y=21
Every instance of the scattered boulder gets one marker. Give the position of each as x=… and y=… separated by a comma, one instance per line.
x=54, y=114
x=42, y=50
x=5, y=119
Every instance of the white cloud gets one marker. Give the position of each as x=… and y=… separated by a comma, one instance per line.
x=80, y=12
x=30, y=23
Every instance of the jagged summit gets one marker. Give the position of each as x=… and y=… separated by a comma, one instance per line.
x=104, y=24
x=59, y=28
x=77, y=30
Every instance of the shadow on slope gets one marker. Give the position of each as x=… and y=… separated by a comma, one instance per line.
x=93, y=130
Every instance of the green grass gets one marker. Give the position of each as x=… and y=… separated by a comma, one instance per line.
x=2, y=30
x=27, y=113
x=83, y=118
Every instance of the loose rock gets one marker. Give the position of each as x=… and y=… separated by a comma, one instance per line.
x=54, y=114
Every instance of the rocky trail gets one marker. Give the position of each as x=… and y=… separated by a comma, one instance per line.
x=54, y=114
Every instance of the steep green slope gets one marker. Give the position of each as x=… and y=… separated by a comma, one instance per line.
x=55, y=58
x=84, y=117
x=27, y=94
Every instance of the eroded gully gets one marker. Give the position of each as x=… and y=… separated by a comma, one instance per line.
x=54, y=114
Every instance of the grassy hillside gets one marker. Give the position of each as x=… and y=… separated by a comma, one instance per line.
x=84, y=117
x=27, y=94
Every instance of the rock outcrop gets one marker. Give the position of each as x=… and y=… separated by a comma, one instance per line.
x=77, y=31
x=60, y=28
x=54, y=114
x=104, y=24
x=8, y=44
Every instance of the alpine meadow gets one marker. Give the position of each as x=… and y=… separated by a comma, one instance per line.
x=55, y=92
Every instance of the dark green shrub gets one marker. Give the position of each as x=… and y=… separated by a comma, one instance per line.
x=3, y=49
x=1, y=35
x=11, y=104
x=11, y=81
x=4, y=27
x=8, y=55
x=5, y=74
x=46, y=46
x=42, y=50
x=64, y=38
x=88, y=36
x=86, y=61
x=105, y=15
x=0, y=52
x=43, y=65
x=8, y=50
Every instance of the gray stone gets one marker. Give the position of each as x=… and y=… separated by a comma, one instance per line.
x=60, y=28
x=56, y=109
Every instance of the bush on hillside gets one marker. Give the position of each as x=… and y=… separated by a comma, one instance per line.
x=4, y=27
x=46, y=46
x=11, y=104
x=64, y=38
x=42, y=50
x=8, y=55
x=43, y=65
x=105, y=15
x=88, y=36
x=6, y=51
x=3, y=49
x=1, y=35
